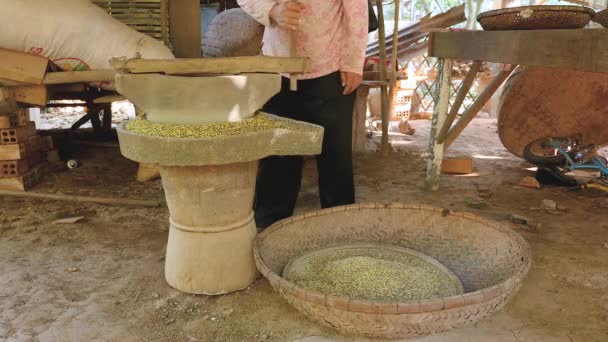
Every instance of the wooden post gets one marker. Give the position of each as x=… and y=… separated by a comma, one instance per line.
x=470, y=113
x=383, y=89
x=393, y=69
x=359, y=117
x=293, y=52
x=440, y=112
x=185, y=23
x=462, y=94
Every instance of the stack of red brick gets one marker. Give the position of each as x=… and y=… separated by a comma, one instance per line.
x=23, y=153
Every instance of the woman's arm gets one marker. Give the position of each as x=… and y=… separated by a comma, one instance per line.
x=354, y=43
x=285, y=14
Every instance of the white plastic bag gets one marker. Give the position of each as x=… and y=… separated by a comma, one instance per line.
x=75, y=34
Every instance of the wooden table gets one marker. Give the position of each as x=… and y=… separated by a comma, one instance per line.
x=581, y=50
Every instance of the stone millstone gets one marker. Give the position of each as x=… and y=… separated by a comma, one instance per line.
x=292, y=138
x=198, y=100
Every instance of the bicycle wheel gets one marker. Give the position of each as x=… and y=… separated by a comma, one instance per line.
x=541, y=153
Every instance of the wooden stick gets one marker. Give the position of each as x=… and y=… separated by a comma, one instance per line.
x=223, y=65
x=462, y=93
x=109, y=99
x=71, y=198
x=293, y=52
x=64, y=77
x=393, y=81
x=470, y=113
x=384, y=89
x=440, y=112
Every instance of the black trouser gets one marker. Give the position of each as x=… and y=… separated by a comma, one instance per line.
x=318, y=101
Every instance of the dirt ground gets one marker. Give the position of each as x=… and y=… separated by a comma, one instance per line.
x=101, y=279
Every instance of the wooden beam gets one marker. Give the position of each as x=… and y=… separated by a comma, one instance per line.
x=462, y=94
x=582, y=50
x=185, y=27
x=224, y=65
x=37, y=95
x=470, y=113
x=65, y=77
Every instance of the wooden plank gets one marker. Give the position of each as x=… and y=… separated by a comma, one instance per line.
x=65, y=77
x=185, y=27
x=224, y=65
x=10, y=83
x=22, y=67
x=37, y=95
x=582, y=50
x=109, y=99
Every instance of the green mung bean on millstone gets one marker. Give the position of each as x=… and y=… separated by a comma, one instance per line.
x=258, y=123
x=373, y=274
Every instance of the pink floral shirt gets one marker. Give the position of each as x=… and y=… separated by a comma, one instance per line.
x=333, y=34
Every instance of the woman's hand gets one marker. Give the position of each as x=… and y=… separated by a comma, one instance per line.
x=350, y=81
x=287, y=15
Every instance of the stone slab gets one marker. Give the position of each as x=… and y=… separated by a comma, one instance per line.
x=299, y=139
x=198, y=100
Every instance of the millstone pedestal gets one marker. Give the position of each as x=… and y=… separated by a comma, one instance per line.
x=209, y=182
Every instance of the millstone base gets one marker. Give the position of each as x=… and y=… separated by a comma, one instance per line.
x=211, y=263
x=210, y=248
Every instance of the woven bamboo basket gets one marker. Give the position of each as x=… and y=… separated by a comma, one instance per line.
x=536, y=18
x=490, y=260
x=544, y=102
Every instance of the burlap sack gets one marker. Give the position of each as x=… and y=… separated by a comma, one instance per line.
x=233, y=33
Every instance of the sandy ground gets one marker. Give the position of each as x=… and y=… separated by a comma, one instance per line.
x=101, y=279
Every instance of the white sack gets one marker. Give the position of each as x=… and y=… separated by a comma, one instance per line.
x=75, y=34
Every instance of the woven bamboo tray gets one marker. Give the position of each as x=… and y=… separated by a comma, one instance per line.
x=490, y=260
x=541, y=102
x=536, y=18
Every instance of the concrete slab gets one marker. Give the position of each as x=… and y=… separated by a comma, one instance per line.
x=198, y=100
x=299, y=138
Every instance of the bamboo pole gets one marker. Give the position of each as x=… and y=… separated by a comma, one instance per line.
x=383, y=89
x=394, y=68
